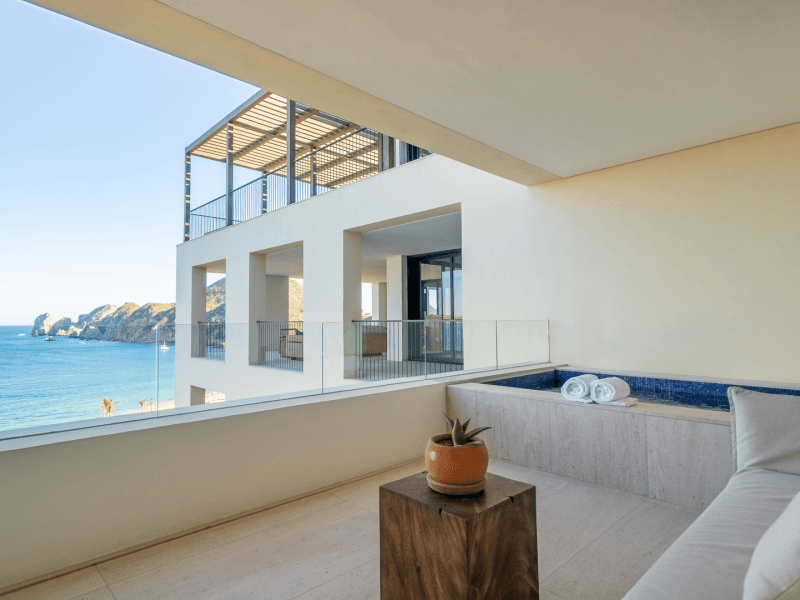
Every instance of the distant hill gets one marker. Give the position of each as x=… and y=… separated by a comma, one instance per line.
x=133, y=323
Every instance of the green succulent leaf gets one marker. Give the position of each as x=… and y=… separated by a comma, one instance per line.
x=474, y=432
x=449, y=422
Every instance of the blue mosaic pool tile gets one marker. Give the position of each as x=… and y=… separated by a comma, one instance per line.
x=535, y=381
x=700, y=394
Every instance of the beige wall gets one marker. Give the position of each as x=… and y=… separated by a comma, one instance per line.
x=74, y=501
x=688, y=263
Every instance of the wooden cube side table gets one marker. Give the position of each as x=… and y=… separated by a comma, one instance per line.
x=470, y=548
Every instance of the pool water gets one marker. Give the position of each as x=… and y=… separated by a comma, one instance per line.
x=699, y=394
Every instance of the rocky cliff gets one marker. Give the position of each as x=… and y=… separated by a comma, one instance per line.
x=137, y=324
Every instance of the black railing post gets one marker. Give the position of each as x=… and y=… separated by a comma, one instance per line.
x=229, y=175
x=187, y=198
x=290, y=151
x=263, y=193
x=313, y=159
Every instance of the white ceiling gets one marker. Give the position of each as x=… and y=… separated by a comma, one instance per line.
x=421, y=237
x=569, y=87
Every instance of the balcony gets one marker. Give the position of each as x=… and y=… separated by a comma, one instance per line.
x=300, y=152
x=325, y=546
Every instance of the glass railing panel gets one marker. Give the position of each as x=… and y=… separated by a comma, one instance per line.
x=390, y=350
x=280, y=345
x=444, y=346
x=522, y=343
x=146, y=371
x=85, y=373
x=371, y=353
x=264, y=362
x=479, y=345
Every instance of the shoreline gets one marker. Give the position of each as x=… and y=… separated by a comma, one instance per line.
x=169, y=404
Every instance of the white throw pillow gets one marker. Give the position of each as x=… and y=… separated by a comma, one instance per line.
x=766, y=431
x=774, y=572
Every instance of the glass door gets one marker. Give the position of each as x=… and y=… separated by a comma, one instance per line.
x=439, y=302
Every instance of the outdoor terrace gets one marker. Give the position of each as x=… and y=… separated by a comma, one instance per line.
x=300, y=152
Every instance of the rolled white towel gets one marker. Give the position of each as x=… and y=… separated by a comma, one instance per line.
x=610, y=389
x=578, y=388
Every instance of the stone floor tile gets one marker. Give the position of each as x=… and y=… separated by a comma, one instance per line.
x=157, y=556
x=362, y=583
x=66, y=587
x=608, y=567
x=278, y=563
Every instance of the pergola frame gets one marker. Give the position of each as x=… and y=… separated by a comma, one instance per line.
x=281, y=137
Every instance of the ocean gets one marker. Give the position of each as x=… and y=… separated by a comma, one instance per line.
x=44, y=383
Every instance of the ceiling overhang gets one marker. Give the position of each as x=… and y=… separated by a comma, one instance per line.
x=164, y=28
x=528, y=90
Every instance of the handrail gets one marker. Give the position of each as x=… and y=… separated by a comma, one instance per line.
x=251, y=202
x=224, y=195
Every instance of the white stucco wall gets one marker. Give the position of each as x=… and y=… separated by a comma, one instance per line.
x=74, y=501
x=687, y=264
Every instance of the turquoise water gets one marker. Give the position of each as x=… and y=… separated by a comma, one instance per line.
x=43, y=383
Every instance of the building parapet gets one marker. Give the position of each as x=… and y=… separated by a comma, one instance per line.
x=300, y=151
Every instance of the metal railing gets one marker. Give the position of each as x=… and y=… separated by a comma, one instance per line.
x=280, y=344
x=396, y=349
x=331, y=166
x=212, y=340
x=316, y=172
x=213, y=215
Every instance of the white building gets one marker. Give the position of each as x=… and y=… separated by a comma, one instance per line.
x=377, y=211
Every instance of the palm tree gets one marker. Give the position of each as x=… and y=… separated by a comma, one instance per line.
x=143, y=403
x=107, y=406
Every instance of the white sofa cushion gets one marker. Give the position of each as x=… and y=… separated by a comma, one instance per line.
x=774, y=572
x=710, y=559
x=765, y=431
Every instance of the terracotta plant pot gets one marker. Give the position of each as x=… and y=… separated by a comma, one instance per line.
x=460, y=470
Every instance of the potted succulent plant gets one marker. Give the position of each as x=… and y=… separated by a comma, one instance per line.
x=457, y=461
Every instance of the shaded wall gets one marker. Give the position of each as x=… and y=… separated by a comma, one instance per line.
x=688, y=263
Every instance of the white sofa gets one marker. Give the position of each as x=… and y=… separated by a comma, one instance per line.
x=711, y=559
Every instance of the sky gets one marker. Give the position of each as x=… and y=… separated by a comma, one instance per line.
x=91, y=163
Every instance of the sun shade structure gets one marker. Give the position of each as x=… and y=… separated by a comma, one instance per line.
x=301, y=152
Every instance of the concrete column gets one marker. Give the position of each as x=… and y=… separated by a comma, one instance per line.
x=379, y=301
x=396, y=308
x=196, y=396
x=257, y=299
x=351, y=277
x=386, y=158
x=396, y=286
x=275, y=309
x=198, y=311
x=332, y=298
x=276, y=300
x=351, y=301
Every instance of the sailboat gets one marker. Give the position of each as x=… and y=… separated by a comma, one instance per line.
x=163, y=346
